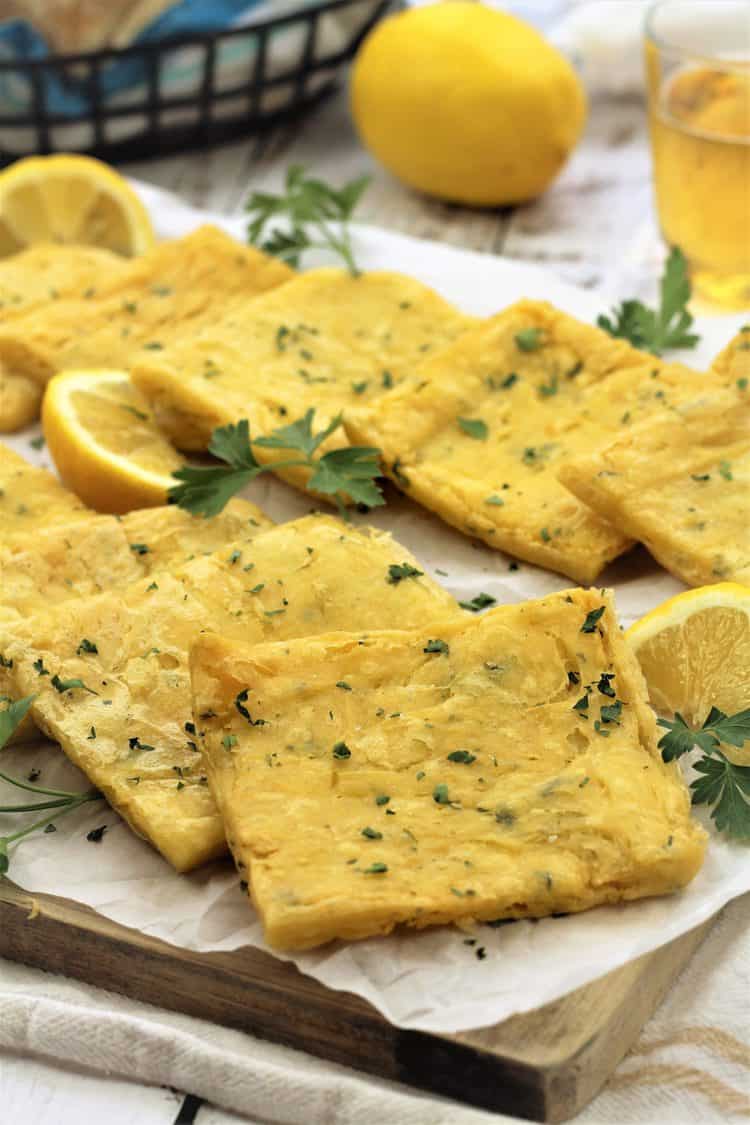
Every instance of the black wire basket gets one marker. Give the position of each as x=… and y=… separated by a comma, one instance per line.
x=182, y=93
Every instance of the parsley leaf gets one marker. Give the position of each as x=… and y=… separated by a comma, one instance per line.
x=12, y=717
x=351, y=471
x=724, y=785
x=308, y=207
x=481, y=601
x=465, y=757
x=398, y=571
x=529, y=339
x=70, y=685
x=58, y=800
x=665, y=327
x=437, y=646
x=592, y=618
x=474, y=428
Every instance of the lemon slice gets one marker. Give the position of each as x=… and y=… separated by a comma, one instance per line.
x=105, y=443
x=695, y=651
x=70, y=199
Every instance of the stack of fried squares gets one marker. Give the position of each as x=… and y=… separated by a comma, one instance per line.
x=96, y=310
x=501, y=427
x=373, y=754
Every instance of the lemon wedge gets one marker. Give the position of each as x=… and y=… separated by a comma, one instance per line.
x=105, y=443
x=694, y=651
x=71, y=199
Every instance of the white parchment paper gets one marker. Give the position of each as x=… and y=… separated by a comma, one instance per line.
x=431, y=980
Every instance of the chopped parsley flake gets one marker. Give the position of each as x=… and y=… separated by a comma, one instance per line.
x=398, y=571
x=592, y=619
x=341, y=751
x=136, y=744
x=371, y=833
x=474, y=428
x=343, y=685
x=376, y=869
x=139, y=548
x=382, y=799
x=440, y=794
x=239, y=702
x=529, y=339
x=437, y=646
x=86, y=646
x=480, y=602
x=69, y=685
x=611, y=712
x=465, y=757
x=228, y=741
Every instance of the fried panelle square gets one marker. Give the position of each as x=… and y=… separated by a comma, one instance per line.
x=134, y=737
x=733, y=364
x=98, y=553
x=442, y=775
x=37, y=278
x=680, y=483
x=152, y=302
x=31, y=499
x=480, y=432
x=325, y=340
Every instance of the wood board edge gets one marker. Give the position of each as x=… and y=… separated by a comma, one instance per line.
x=544, y=1065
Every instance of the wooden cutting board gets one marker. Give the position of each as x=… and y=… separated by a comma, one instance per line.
x=545, y=1065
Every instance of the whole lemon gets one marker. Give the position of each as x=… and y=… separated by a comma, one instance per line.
x=466, y=103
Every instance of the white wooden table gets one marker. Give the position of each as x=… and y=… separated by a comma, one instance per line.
x=593, y=228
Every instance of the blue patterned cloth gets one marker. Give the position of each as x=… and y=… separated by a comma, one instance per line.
x=20, y=41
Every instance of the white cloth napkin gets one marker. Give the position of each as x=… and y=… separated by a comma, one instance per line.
x=691, y=1064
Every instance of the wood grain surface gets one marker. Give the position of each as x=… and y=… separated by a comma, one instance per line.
x=545, y=1065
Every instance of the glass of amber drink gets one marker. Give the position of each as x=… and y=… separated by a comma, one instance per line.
x=698, y=72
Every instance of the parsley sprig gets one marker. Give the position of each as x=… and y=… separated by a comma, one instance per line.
x=654, y=330
x=723, y=785
x=61, y=801
x=351, y=471
x=310, y=207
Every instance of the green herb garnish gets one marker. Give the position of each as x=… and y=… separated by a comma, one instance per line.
x=665, y=327
x=723, y=785
x=474, y=428
x=70, y=685
x=341, y=751
x=465, y=757
x=397, y=572
x=479, y=602
x=60, y=801
x=437, y=646
x=239, y=701
x=592, y=619
x=307, y=207
x=350, y=471
x=529, y=339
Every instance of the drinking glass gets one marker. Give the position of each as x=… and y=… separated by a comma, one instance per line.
x=698, y=74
